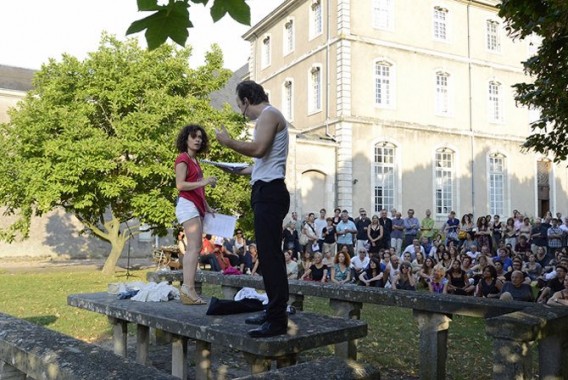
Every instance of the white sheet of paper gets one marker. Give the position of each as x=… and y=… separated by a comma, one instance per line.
x=234, y=167
x=220, y=225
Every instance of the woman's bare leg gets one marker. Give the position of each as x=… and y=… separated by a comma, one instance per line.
x=194, y=232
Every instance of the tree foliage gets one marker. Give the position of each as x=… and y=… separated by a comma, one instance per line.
x=547, y=19
x=173, y=19
x=97, y=138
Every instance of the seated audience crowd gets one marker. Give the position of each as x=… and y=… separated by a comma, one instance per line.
x=522, y=259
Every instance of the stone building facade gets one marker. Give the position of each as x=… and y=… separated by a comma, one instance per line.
x=404, y=104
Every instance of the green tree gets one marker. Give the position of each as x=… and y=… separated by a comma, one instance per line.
x=547, y=19
x=97, y=138
x=173, y=19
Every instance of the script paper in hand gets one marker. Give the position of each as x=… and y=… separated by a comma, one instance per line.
x=220, y=225
x=233, y=167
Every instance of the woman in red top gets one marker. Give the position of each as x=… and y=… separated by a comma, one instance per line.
x=191, y=206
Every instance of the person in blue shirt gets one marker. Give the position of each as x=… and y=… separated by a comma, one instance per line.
x=411, y=227
x=345, y=232
x=505, y=259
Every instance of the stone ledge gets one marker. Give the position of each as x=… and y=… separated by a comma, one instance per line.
x=46, y=354
x=424, y=301
x=330, y=368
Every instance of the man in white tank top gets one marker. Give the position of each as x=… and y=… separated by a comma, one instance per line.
x=270, y=199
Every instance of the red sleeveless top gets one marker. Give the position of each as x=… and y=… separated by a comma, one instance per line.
x=194, y=174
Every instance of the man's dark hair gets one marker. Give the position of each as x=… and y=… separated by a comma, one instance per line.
x=191, y=130
x=252, y=91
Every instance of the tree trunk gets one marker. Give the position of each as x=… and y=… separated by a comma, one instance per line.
x=115, y=237
x=117, y=242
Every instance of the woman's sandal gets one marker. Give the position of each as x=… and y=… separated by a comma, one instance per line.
x=187, y=299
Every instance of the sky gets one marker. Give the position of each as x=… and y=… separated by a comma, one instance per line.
x=33, y=31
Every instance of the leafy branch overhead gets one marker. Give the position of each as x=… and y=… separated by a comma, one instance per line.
x=547, y=19
x=173, y=19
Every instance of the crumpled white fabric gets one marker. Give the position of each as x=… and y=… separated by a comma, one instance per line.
x=251, y=293
x=152, y=292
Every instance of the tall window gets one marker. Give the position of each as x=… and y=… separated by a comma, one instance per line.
x=492, y=32
x=440, y=23
x=287, y=106
x=495, y=102
x=316, y=18
x=266, y=51
x=384, y=176
x=444, y=181
x=383, y=14
x=289, y=37
x=497, y=184
x=442, y=93
x=383, y=84
x=315, y=87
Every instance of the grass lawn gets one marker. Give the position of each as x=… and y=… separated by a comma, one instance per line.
x=392, y=341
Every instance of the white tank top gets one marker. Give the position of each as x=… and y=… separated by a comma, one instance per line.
x=273, y=165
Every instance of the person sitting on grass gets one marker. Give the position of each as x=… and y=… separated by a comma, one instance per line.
x=317, y=271
x=489, y=286
x=306, y=262
x=373, y=275
x=340, y=272
x=554, y=285
x=458, y=282
x=517, y=290
x=426, y=273
x=438, y=283
x=517, y=265
x=358, y=263
x=405, y=279
x=291, y=265
x=560, y=298
x=255, y=260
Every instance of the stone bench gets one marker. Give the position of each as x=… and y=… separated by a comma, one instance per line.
x=432, y=312
x=513, y=335
x=305, y=331
x=329, y=368
x=31, y=350
x=423, y=301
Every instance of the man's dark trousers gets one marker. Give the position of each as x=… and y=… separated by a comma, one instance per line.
x=270, y=203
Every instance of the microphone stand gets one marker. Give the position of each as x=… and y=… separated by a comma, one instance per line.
x=130, y=234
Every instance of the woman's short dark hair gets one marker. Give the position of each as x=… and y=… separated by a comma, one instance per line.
x=492, y=270
x=251, y=90
x=191, y=130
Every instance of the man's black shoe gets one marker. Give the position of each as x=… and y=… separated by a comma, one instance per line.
x=269, y=329
x=257, y=319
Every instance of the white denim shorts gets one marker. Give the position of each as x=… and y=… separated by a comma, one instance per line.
x=185, y=210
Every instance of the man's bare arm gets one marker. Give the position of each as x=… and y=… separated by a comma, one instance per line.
x=266, y=129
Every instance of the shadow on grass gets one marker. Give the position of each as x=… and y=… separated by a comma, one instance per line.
x=42, y=320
